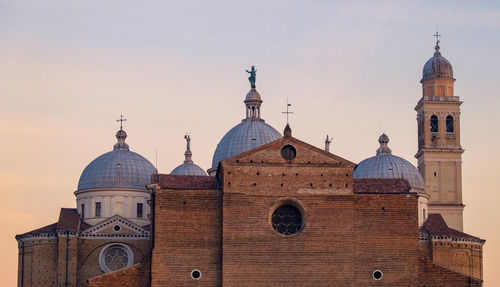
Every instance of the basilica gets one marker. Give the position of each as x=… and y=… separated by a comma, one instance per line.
x=272, y=210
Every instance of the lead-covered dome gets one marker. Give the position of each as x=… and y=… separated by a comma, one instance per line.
x=386, y=165
x=188, y=167
x=120, y=168
x=249, y=134
x=437, y=66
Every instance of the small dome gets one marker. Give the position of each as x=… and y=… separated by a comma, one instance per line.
x=247, y=135
x=253, y=96
x=437, y=66
x=188, y=167
x=386, y=165
x=120, y=168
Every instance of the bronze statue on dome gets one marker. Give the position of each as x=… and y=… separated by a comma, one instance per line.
x=253, y=74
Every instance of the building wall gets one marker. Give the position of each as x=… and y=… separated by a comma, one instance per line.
x=40, y=262
x=187, y=236
x=460, y=256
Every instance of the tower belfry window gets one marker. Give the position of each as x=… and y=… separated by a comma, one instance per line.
x=434, y=124
x=449, y=124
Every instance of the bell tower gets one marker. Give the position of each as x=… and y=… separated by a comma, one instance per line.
x=439, y=152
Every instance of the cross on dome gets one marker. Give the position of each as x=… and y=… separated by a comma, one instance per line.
x=121, y=120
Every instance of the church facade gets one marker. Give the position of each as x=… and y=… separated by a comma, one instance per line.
x=272, y=211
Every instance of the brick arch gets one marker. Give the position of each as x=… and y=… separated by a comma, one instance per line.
x=88, y=269
x=462, y=262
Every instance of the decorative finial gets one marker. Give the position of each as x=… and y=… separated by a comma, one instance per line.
x=287, y=112
x=327, y=143
x=188, y=154
x=384, y=141
x=253, y=74
x=437, y=35
x=121, y=120
x=121, y=135
x=288, y=131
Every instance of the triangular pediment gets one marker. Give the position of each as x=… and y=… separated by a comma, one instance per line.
x=115, y=226
x=306, y=154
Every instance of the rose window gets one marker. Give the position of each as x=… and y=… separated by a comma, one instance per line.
x=287, y=220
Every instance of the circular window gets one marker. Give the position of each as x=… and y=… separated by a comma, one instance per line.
x=115, y=256
x=377, y=274
x=288, y=152
x=196, y=274
x=287, y=220
x=116, y=228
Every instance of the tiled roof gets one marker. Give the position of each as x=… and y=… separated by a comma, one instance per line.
x=196, y=182
x=49, y=229
x=69, y=219
x=436, y=226
x=381, y=185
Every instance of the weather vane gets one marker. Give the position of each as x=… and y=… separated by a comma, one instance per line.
x=287, y=112
x=121, y=120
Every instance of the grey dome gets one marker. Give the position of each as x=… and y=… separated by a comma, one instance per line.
x=120, y=168
x=249, y=134
x=437, y=66
x=386, y=165
x=188, y=167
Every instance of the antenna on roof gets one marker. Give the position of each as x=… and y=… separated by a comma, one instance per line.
x=156, y=160
x=287, y=111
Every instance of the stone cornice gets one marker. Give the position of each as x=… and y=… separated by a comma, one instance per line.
x=439, y=150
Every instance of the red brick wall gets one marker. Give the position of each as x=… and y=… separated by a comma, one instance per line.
x=187, y=236
x=40, y=259
x=134, y=276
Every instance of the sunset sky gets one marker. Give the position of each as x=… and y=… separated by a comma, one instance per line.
x=68, y=69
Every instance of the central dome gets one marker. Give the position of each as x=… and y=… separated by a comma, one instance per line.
x=249, y=134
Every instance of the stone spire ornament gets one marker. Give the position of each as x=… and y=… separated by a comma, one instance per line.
x=188, y=154
x=327, y=143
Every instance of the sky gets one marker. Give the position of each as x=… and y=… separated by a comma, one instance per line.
x=350, y=69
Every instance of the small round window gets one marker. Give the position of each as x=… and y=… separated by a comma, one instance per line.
x=288, y=152
x=377, y=274
x=287, y=220
x=196, y=274
x=115, y=257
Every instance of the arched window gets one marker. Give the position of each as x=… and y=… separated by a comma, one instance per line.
x=434, y=124
x=449, y=124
